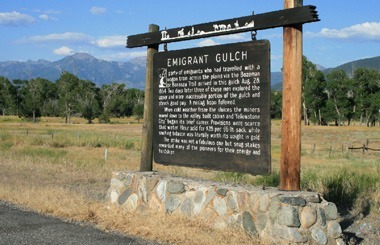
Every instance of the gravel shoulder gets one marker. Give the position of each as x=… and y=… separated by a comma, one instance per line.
x=19, y=226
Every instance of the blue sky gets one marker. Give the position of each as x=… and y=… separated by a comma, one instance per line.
x=51, y=30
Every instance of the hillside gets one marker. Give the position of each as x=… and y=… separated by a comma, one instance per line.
x=131, y=73
x=373, y=63
x=84, y=66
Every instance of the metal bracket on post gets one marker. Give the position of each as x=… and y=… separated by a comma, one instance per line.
x=253, y=35
x=165, y=44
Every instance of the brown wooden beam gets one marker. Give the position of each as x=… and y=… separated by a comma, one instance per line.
x=147, y=132
x=256, y=22
x=291, y=105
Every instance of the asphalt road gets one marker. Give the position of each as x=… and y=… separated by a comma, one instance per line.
x=24, y=227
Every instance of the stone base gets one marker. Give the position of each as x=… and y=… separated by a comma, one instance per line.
x=269, y=214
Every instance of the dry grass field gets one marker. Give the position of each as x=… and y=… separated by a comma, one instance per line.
x=64, y=170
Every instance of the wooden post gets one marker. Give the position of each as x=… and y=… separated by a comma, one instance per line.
x=291, y=104
x=147, y=133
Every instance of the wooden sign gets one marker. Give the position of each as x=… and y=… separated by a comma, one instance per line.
x=211, y=107
x=268, y=20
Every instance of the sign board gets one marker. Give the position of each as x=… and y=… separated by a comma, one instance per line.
x=212, y=107
x=255, y=22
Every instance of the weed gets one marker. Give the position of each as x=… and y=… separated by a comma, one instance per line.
x=129, y=145
x=270, y=180
x=229, y=177
x=5, y=146
x=38, y=141
x=38, y=152
x=5, y=136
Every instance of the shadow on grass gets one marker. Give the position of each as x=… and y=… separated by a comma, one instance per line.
x=348, y=190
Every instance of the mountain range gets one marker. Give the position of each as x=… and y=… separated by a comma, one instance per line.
x=131, y=73
x=82, y=65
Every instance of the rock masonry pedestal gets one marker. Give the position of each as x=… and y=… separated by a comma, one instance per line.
x=269, y=214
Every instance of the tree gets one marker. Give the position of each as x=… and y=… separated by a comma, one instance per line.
x=7, y=96
x=35, y=96
x=134, y=102
x=67, y=86
x=112, y=98
x=276, y=104
x=366, y=94
x=120, y=102
x=88, y=99
x=340, y=104
x=50, y=104
x=313, y=92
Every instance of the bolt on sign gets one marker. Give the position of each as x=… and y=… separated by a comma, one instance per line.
x=211, y=107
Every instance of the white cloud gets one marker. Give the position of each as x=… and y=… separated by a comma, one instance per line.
x=368, y=31
x=276, y=57
x=63, y=51
x=207, y=42
x=111, y=41
x=46, y=17
x=122, y=56
x=98, y=10
x=67, y=37
x=15, y=19
x=234, y=37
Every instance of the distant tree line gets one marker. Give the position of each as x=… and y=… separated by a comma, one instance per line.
x=337, y=97
x=67, y=97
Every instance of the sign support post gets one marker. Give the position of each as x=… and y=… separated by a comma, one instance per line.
x=291, y=104
x=147, y=131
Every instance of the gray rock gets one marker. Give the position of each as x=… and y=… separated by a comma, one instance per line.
x=314, y=199
x=113, y=196
x=274, y=207
x=248, y=224
x=264, y=203
x=331, y=211
x=235, y=220
x=124, y=196
x=202, y=198
x=334, y=230
x=280, y=232
x=151, y=184
x=288, y=216
x=308, y=217
x=187, y=207
x=220, y=206
x=319, y=236
x=127, y=179
x=231, y=201
x=296, y=236
x=161, y=190
x=293, y=201
x=222, y=192
x=142, y=189
x=172, y=203
x=291, y=235
x=321, y=217
x=131, y=203
x=175, y=187
x=261, y=221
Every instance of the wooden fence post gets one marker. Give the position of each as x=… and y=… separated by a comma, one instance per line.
x=146, y=163
x=291, y=104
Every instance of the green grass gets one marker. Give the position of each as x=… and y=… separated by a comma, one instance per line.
x=349, y=179
x=38, y=152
